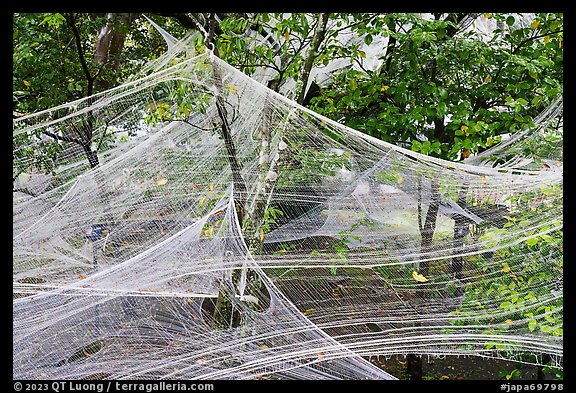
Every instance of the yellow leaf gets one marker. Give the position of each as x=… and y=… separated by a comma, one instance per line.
x=483, y=177
x=465, y=152
x=506, y=268
x=211, y=186
x=362, y=54
x=508, y=321
x=535, y=24
x=444, y=377
x=264, y=346
x=161, y=181
x=82, y=277
x=261, y=235
x=463, y=127
x=231, y=88
x=418, y=277
x=287, y=34
x=488, y=15
x=487, y=79
x=450, y=167
x=353, y=84
x=309, y=311
x=546, y=39
x=384, y=88
x=26, y=83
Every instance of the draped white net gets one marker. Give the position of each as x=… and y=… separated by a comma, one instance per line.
x=223, y=231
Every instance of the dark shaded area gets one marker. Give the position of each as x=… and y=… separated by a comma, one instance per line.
x=462, y=368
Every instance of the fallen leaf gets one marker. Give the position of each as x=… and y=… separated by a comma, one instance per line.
x=508, y=321
x=161, y=181
x=261, y=235
x=82, y=277
x=263, y=346
x=444, y=377
x=465, y=153
x=418, y=277
x=506, y=268
x=309, y=311
x=211, y=186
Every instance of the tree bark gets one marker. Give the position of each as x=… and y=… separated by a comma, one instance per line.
x=319, y=34
x=460, y=231
x=109, y=44
x=427, y=232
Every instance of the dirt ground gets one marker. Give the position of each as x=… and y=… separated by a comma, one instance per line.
x=462, y=368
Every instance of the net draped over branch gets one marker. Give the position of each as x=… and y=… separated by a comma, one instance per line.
x=326, y=246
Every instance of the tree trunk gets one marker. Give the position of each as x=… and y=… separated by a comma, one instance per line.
x=109, y=44
x=460, y=231
x=414, y=362
x=319, y=34
x=427, y=231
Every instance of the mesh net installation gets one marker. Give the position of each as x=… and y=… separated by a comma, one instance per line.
x=235, y=234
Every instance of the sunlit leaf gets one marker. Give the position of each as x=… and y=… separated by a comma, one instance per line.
x=26, y=83
x=211, y=186
x=161, y=181
x=506, y=268
x=535, y=24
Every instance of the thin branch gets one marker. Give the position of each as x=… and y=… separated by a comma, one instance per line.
x=62, y=138
x=80, y=51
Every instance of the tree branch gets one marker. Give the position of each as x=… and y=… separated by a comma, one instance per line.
x=62, y=138
x=79, y=49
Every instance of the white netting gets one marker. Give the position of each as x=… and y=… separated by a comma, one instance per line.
x=240, y=235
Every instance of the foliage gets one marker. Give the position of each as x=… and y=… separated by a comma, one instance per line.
x=46, y=66
x=449, y=94
x=518, y=281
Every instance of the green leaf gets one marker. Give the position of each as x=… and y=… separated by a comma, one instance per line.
x=532, y=241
